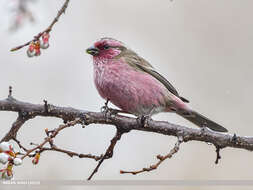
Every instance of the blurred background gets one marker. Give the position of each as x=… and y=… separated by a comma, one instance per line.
x=203, y=47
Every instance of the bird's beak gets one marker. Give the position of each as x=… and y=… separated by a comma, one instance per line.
x=92, y=50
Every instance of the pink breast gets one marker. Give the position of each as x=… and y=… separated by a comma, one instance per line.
x=131, y=90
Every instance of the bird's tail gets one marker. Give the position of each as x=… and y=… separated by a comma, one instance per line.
x=201, y=120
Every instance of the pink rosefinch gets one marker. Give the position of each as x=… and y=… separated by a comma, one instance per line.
x=132, y=84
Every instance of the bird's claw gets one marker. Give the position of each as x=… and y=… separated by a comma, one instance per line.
x=143, y=120
x=109, y=111
x=104, y=109
x=204, y=128
x=234, y=138
x=112, y=112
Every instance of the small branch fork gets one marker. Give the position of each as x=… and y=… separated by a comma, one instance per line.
x=50, y=135
x=161, y=158
x=123, y=124
x=48, y=29
x=23, y=116
x=109, y=152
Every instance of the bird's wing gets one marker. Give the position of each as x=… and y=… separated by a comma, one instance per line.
x=139, y=63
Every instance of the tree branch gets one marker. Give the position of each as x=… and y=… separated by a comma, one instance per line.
x=161, y=158
x=47, y=30
x=109, y=151
x=123, y=124
x=71, y=153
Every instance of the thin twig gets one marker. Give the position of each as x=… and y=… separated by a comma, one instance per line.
x=48, y=139
x=161, y=158
x=71, y=153
x=10, y=92
x=19, y=144
x=109, y=151
x=218, y=157
x=48, y=29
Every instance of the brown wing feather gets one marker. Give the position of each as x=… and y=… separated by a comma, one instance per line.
x=141, y=64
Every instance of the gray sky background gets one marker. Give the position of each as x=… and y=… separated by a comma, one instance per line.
x=203, y=47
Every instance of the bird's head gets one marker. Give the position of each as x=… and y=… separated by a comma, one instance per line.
x=106, y=48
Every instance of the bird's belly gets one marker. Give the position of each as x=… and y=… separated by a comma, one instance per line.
x=134, y=92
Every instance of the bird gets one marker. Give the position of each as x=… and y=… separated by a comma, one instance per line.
x=132, y=84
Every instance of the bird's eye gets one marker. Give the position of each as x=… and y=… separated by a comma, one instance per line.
x=106, y=46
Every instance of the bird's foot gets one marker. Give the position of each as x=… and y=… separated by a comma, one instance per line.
x=204, y=128
x=143, y=120
x=105, y=108
x=108, y=112
x=234, y=138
